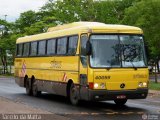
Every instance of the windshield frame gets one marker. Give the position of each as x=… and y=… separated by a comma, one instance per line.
x=118, y=34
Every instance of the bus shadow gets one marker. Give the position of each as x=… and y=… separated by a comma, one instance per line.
x=101, y=107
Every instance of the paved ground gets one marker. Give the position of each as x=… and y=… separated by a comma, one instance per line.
x=10, y=107
x=14, y=100
x=14, y=110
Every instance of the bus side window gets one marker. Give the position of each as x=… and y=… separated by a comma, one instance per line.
x=84, y=39
x=62, y=46
x=33, y=51
x=26, y=49
x=42, y=47
x=19, y=49
x=51, y=47
x=72, y=47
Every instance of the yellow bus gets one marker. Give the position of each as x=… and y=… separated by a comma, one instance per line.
x=84, y=61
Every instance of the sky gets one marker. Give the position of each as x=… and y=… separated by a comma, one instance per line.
x=13, y=8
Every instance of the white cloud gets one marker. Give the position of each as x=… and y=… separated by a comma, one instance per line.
x=13, y=8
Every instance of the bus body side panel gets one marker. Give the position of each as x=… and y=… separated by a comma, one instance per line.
x=52, y=73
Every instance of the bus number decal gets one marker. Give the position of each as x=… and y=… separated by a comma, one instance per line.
x=102, y=77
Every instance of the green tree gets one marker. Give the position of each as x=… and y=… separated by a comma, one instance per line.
x=7, y=44
x=26, y=19
x=71, y=10
x=4, y=28
x=145, y=14
x=110, y=11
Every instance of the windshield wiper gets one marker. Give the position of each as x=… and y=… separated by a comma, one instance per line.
x=133, y=65
x=131, y=61
x=131, y=55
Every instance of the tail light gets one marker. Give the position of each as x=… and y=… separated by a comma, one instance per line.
x=91, y=85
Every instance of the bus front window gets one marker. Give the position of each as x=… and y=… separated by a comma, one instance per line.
x=104, y=51
x=132, y=51
x=117, y=51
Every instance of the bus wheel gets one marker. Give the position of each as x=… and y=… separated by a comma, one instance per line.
x=74, y=99
x=35, y=91
x=28, y=87
x=120, y=102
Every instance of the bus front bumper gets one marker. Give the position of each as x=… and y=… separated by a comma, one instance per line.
x=100, y=95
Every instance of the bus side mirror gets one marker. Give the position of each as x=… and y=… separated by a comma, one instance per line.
x=88, y=48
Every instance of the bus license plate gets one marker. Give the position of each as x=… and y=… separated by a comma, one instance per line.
x=121, y=97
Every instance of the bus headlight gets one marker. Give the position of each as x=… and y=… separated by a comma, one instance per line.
x=99, y=85
x=96, y=85
x=142, y=84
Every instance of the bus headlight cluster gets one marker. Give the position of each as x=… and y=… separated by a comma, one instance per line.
x=96, y=85
x=142, y=84
x=102, y=85
x=99, y=85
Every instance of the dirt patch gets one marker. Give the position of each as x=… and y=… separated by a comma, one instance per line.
x=15, y=110
x=10, y=107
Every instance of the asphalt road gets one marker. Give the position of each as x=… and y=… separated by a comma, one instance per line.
x=106, y=110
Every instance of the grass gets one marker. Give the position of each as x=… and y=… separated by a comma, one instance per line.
x=6, y=75
x=154, y=86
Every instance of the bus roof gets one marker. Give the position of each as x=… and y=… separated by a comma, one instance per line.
x=81, y=27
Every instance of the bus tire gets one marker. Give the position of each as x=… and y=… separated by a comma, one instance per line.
x=73, y=96
x=28, y=87
x=35, y=91
x=120, y=102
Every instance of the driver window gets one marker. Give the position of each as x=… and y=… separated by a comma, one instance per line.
x=84, y=39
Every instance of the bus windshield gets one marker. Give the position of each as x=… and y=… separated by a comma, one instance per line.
x=117, y=51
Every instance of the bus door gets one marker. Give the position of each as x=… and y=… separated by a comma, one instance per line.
x=83, y=67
